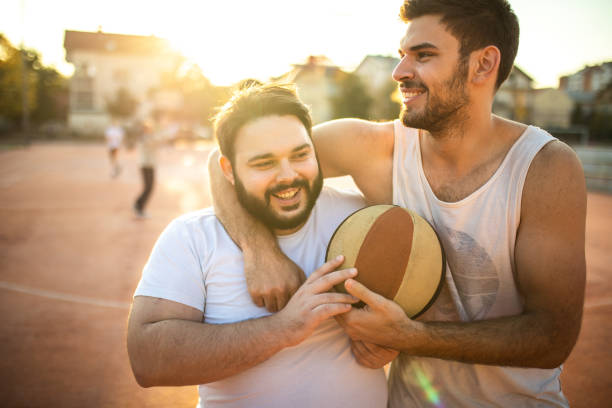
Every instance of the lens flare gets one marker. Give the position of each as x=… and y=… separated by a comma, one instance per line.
x=432, y=395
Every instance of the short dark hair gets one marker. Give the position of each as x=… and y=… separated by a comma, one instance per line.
x=255, y=101
x=476, y=24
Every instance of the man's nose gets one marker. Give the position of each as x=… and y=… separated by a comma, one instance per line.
x=286, y=171
x=403, y=70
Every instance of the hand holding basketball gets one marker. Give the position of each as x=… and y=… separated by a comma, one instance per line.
x=380, y=321
x=314, y=301
x=397, y=253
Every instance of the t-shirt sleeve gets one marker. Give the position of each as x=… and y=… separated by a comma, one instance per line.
x=174, y=270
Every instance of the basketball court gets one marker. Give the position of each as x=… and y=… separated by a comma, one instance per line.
x=71, y=253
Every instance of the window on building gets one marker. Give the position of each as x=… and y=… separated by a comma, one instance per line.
x=82, y=88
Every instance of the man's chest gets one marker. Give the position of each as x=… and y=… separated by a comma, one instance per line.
x=452, y=185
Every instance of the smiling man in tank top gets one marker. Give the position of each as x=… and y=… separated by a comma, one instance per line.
x=508, y=201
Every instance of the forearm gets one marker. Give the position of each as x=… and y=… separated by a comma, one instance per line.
x=245, y=230
x=528, y=340
x=182, y=352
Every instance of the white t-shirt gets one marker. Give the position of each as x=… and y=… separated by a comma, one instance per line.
x=195, y=263
x=114, y=136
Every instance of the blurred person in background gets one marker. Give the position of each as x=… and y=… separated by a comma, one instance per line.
x=153, y=134
x=114, y=134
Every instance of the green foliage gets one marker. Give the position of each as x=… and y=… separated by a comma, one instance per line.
x=385, y=107
x=600, y=127
x=11, y=80
x=123, y=105
x=577, y=117
x=51, y=96
x=47, y=89
x=352, y=99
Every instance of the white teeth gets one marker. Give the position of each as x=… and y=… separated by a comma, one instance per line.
x=287, y=194
x=411, y=94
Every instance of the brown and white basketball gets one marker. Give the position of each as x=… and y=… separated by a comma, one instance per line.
x=396, y=252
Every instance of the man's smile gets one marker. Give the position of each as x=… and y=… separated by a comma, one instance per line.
x=409, y=94
x=286, y=194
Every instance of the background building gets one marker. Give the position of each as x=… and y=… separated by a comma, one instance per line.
x=584, y=86
x=106, y=65
x=317, y=84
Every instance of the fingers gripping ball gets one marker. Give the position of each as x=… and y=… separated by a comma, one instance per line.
x=396, y=252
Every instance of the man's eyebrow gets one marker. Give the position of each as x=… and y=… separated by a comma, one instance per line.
x=301, y=147
x=261, y=157
x=270, y=155
x=422, y=46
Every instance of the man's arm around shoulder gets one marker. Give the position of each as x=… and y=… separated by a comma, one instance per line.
x=360, y=149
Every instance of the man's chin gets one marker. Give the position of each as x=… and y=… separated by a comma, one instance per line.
x=288, y=222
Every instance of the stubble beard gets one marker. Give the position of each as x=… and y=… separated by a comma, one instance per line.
x=444, y=109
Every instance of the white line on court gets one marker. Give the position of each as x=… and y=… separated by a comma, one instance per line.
x=125, y=305
x=63, y=296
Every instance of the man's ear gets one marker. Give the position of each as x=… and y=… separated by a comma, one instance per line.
x=226, y=167
x=485, y=63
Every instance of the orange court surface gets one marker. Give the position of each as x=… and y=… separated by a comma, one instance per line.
x=71, y=254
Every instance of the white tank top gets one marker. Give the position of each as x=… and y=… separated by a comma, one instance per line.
x=478, y=234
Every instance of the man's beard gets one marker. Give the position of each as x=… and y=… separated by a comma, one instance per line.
x=440, y=109
x=261, y=209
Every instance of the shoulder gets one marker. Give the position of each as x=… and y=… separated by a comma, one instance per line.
x=354, y=135
x=555, y=181
x=555, y=161
x=194, y=226
x=335, y=203
x=331, y=196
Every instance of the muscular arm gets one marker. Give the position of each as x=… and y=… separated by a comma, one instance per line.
x=360, y=149
x=344, y=147
x=168, y=344
x=550, y=267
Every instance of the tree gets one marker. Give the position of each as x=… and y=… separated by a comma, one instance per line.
x=386, y=104
x=11, y=80
x=123, y=105
x=47, y=89
x=352, y=99
x=51, y=96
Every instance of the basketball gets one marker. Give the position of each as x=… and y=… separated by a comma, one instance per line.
x=396, y=252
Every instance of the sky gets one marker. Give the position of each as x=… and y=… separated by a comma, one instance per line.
x=235, y=39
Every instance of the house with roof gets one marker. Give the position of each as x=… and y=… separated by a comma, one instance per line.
x=317, y=81
x=585, y=85
x=552, y=109
x=104, y=63
x=514, y=98
x=375, y=73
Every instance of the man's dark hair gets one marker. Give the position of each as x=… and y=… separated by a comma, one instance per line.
x=476, y=24
x=255, y=101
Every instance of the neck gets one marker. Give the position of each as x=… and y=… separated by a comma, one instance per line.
x=464, y=136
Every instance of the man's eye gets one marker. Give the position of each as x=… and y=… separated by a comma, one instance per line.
x=263, y=164
x=424, y=55
x=301, y=156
